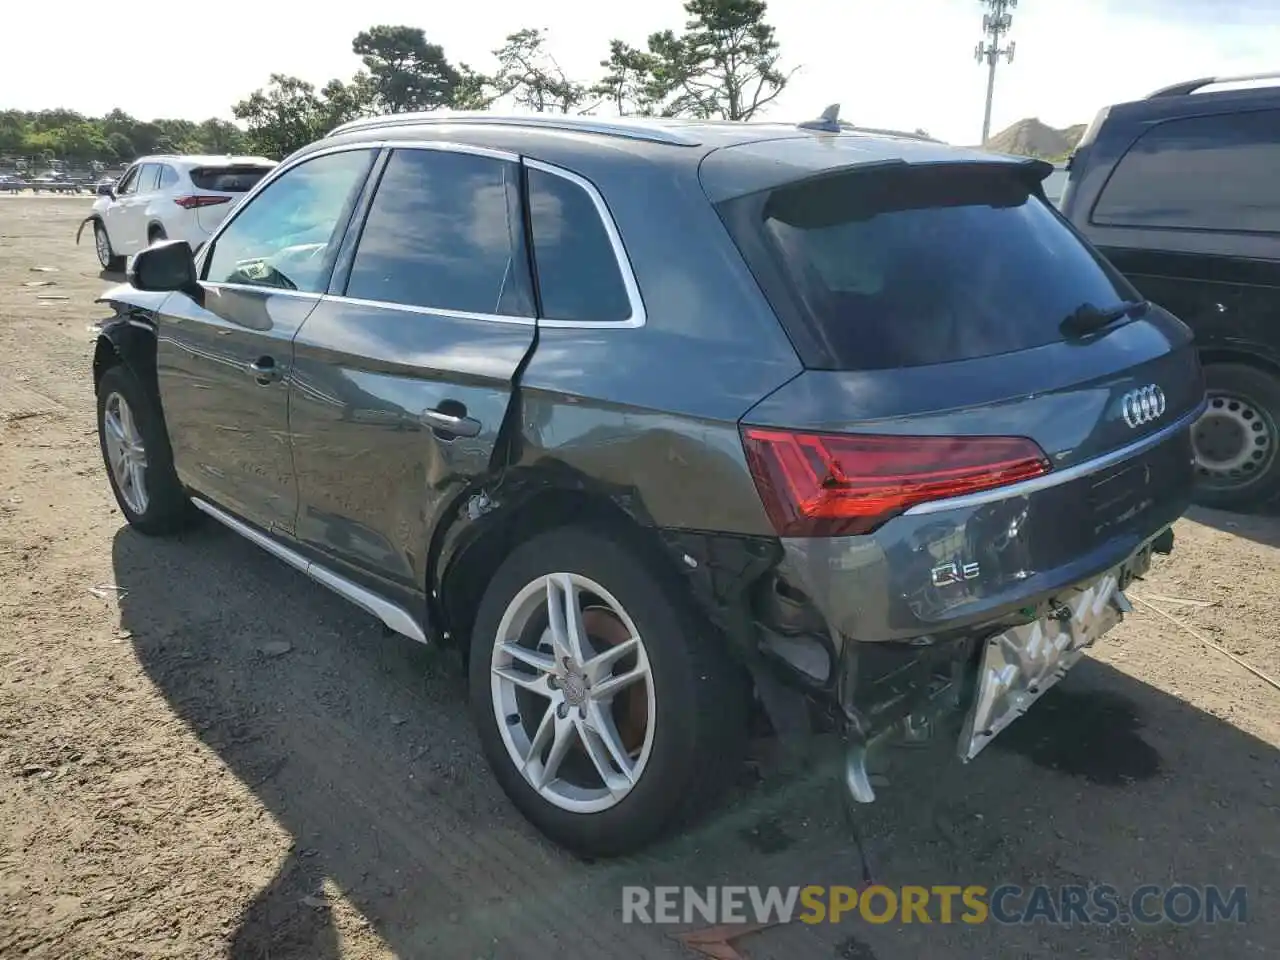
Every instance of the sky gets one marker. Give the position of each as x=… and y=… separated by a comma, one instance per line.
x=896, y=63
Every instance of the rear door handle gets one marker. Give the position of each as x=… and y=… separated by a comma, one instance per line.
x=264, y=370
x=450, y=420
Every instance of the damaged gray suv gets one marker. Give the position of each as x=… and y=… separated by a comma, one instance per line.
x=666, y=425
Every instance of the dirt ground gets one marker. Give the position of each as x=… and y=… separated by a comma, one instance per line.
x=204, y=754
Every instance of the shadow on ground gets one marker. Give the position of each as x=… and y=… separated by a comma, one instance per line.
x=360, y=746
x=1261, y=526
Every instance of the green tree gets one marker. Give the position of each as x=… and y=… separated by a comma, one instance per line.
x=82, y=142
x=530, y=75
x=473, y=91
x=219, y=136
x=406, y=72
x=341, y=102
x=629, y=84
x=724, y=65
x=282, y=117
x=13, y=128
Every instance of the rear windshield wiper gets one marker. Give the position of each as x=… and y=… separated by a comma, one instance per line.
x=1087, y=318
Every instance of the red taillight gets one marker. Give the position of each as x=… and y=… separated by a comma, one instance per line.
x=821, y=485
x=200, y=200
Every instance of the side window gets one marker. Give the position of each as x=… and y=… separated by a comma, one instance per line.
x=578, y=273
x=168, y=178
x=1201, y=173
x=443, y=232
x=128, y=183
x=147, y=177
x=283, y=236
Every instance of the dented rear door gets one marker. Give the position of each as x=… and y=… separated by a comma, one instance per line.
x=404, y=372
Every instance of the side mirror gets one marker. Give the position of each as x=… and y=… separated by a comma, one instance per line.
x=106, y=190
x=165, y=266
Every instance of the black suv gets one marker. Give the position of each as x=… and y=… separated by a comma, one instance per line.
x=663, y=422
x=1182, y=192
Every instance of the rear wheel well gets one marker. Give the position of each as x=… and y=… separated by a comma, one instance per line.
x=468, y=574
x=154, y=229
x=1216, y=355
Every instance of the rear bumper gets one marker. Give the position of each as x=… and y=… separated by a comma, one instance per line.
x=971, y=561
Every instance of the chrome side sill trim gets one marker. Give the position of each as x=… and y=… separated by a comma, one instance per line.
x=1056, y=477
x=394, y=617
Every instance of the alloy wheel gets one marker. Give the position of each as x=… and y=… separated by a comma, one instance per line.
x=103, y=246
x=573, y=693
x=126, y=452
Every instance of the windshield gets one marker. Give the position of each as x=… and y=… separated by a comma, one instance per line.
x=923, y=265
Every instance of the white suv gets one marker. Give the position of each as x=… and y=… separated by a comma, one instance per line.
x=168, y=198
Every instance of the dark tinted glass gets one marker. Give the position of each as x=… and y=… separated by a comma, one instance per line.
x=441, y=233
x=283, y=236
x=578, y=273
x=240, y=178
x=168, y=177
x=903, y=268
x=1206, y=173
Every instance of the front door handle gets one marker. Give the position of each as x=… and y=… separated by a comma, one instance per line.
x=449, y=420
x=264, y=370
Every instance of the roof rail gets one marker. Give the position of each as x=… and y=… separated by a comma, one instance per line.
x=1191, y=86
x=882, y=132
x=633, y=130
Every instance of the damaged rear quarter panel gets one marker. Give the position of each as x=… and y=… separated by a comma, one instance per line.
x=655, y=409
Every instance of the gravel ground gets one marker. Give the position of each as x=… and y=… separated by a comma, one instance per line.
x=204, y=754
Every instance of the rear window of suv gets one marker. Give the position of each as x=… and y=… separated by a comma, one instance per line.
x=236, y=178
x=914, y=266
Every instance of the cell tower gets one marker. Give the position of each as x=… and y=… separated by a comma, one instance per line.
x=995, y=24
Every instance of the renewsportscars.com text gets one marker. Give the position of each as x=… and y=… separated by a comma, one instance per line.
x=942, y=904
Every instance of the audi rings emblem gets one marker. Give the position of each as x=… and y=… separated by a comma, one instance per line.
x=1142, y=405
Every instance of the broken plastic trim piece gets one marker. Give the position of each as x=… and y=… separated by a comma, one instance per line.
x=1022, y=663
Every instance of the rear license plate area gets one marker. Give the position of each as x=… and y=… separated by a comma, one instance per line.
x=1020, y=664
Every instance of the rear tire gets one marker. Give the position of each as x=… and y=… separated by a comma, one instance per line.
x=692, y=702
x=1237, y=441
x=139, y=461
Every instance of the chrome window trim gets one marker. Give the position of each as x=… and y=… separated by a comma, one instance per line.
x=430, y=311
x=256, y=288
x=638, y=316
x=450, y=146
x=1055, y=478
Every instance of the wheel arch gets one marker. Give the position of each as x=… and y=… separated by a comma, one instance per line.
x=1227, y=353
x=129, y=340
x=94, y=219
x=466, y=554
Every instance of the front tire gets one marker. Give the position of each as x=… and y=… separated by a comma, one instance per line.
x=1237, y=441
x=107, y=257
x=609, y=714
x=136, y=453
